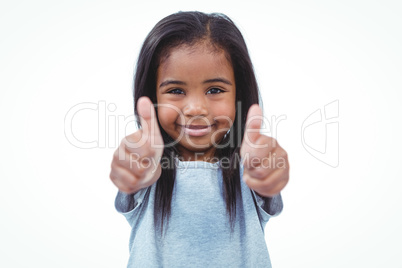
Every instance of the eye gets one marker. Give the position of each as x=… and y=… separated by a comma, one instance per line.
x=215, y=90
x=175, y=91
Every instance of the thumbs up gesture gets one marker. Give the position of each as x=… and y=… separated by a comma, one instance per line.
x=266, y=166
x=136, y=163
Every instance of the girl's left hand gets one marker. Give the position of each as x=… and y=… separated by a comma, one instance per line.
x=266, y=166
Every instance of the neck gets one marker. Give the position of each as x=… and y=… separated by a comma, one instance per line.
x=206, y=156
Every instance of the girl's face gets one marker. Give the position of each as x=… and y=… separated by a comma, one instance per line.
x=196, y=95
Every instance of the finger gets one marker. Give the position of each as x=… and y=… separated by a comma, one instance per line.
x=122, y=187
x=252, y=131
x=123, y=179
x=259, y=172
x=149, y=122
x=133, y=143
x=276, y=190
x=128, y=160
x=258, y=154
x=270, y=186
x=253, y=124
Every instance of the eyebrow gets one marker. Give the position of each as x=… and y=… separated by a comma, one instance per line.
x=213, y=80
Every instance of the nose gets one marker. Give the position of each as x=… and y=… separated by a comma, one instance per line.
x=196, y=106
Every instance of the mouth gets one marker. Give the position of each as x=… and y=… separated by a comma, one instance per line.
x=196, y=130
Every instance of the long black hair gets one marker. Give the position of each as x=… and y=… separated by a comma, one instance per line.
x=189, y=28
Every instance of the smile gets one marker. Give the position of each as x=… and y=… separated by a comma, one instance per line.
x=196, y=130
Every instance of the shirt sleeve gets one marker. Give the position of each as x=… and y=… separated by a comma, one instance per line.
x=125, y=203
x=268, y=206
x=271, y=205
x=130, y=204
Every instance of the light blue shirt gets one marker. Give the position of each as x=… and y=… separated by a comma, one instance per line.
x=198, y=233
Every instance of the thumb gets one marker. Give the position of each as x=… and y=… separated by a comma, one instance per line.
x=253, y=125
x=149, y=122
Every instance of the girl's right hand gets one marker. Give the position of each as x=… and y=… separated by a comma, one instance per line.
x=136, y=163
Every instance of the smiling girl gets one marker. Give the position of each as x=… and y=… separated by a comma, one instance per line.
x=196, y=181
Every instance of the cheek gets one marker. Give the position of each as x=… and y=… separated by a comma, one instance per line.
x=225, y=114
x=167, y=116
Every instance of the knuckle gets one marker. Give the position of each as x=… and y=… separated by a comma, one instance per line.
x=285, y=179
x=125, y=189
x=112, y=168
x=115, y=179
x=273, y=142
x=116, y=155
x=281, y=154
x=114, y=173
x=132, y=141
x=112, y=177
x=122, y=146
x=259, y=173
x=135, y=137
x=272, y=139
x=266, y=184
x=123, y=142
x=131, y=182
x=141, y=170
x=119, y=156
x=148, y=144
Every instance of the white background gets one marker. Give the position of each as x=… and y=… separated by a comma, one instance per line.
x=56, y=200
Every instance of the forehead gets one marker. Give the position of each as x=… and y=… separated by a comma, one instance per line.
x=201, y=60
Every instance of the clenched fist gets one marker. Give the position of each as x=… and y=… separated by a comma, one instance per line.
x=266, y=166
x=136, y=163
